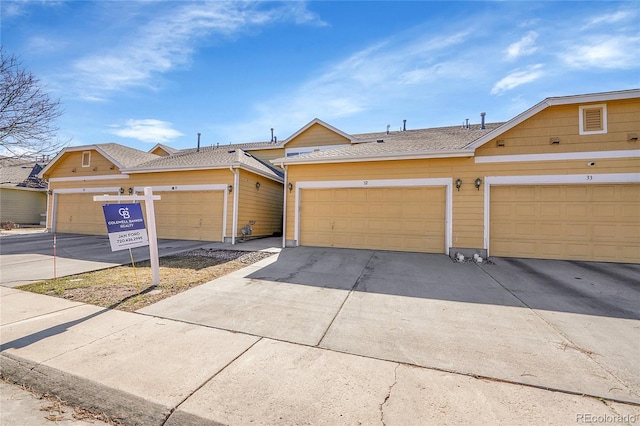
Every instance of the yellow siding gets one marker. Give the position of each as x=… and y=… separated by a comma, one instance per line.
x=70, y=165
x=161, y=152
x=532, y=136
x=468, y=203
x=267, y=154
x=263, y=205
x=317, y=135
x=22, y=206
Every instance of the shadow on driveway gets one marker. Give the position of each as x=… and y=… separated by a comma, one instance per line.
x=591, y=288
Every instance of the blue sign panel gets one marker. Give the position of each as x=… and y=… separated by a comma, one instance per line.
x=125, y=225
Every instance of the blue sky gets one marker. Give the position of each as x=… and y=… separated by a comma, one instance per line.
x=145, y=72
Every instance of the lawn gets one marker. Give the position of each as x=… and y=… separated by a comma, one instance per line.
x=128, y=289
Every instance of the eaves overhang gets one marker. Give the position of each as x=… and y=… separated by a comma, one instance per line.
x=383, y=157
x=235, y=165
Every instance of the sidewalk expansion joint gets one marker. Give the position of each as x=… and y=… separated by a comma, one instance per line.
x=174, y=409
x=386, y=399
x=353, y=287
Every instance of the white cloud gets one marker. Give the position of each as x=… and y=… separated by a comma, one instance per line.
x=610, y=18
x=168, y=41
x=621, y=52
x=377, y=75
x=517, y=78
x=147, y=130
x=523, y=47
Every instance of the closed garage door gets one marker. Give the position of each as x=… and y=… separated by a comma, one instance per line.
x=402, y=219
x=79, y=214
x=576, y=222
x=190, y=215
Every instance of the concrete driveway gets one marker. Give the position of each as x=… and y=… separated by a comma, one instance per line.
x=29, y=258
x=568, y=326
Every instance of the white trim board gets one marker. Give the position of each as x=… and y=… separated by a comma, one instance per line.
x=382, y=183
x=582, y=179
x=87, y=178
x=592, y=155
x=103, y=190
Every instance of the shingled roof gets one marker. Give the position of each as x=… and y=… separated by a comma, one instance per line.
x=22, y=176
x=208, y=158
x=434, y=142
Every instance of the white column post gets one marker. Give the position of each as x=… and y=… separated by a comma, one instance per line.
x=153, y=236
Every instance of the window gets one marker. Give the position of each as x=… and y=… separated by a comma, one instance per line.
x=86, y=159
x=593, y=119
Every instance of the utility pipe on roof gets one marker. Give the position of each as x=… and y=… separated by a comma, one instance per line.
x=234, y=221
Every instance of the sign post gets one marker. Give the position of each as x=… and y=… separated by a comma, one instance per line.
x=130, y=231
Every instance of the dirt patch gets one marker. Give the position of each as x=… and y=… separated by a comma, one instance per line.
x=129, y=288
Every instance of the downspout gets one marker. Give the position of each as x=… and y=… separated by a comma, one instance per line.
x=284, y=210
x=234, y=221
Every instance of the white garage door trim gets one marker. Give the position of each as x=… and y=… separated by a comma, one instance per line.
x=206, y=187
x=57, y=192
x=581, y=179
x=381, y=183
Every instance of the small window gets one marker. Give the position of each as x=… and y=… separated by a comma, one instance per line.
x=86, y=159
x=593, y=119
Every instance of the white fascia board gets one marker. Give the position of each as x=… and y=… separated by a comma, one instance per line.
x=197, y=168
x=564, y=179
x=179, y=188
x=564, y=156
x=101, y=190
x=22, y=188
x=563, y=100
x=88, y=178
x=382, y=157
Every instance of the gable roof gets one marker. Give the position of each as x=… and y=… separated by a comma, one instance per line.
x=409, y=144
x=553, y=101
x=166, y=148
x=121, y=156
x=206, y=159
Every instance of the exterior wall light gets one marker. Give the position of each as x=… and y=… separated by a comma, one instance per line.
x=121, y=190
x=130, y=190
x=258, y=185
x=290, y=186
x=458, y=184
x=230, y=188
x=478, y=183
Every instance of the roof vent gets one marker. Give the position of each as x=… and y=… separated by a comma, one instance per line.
x=272, y=135
x=380, y=140
x=198, y=148
x=231, y=151
x=404, y=125
x=388, y=126
x=482, y=115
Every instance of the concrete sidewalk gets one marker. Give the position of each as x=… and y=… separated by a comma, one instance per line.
x=149, y=370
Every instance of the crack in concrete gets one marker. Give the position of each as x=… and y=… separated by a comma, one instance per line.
x=174, y=409
x=571, y=344
x=363, y=274
x=386, y=398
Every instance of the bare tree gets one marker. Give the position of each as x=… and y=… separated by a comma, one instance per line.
x=27, y=113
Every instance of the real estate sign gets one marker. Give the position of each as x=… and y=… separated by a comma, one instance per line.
x=125, y=225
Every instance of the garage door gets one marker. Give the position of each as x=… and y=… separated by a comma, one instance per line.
x=190, y=215
x=79, y=214
x=577, y=222
x=402, y=219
